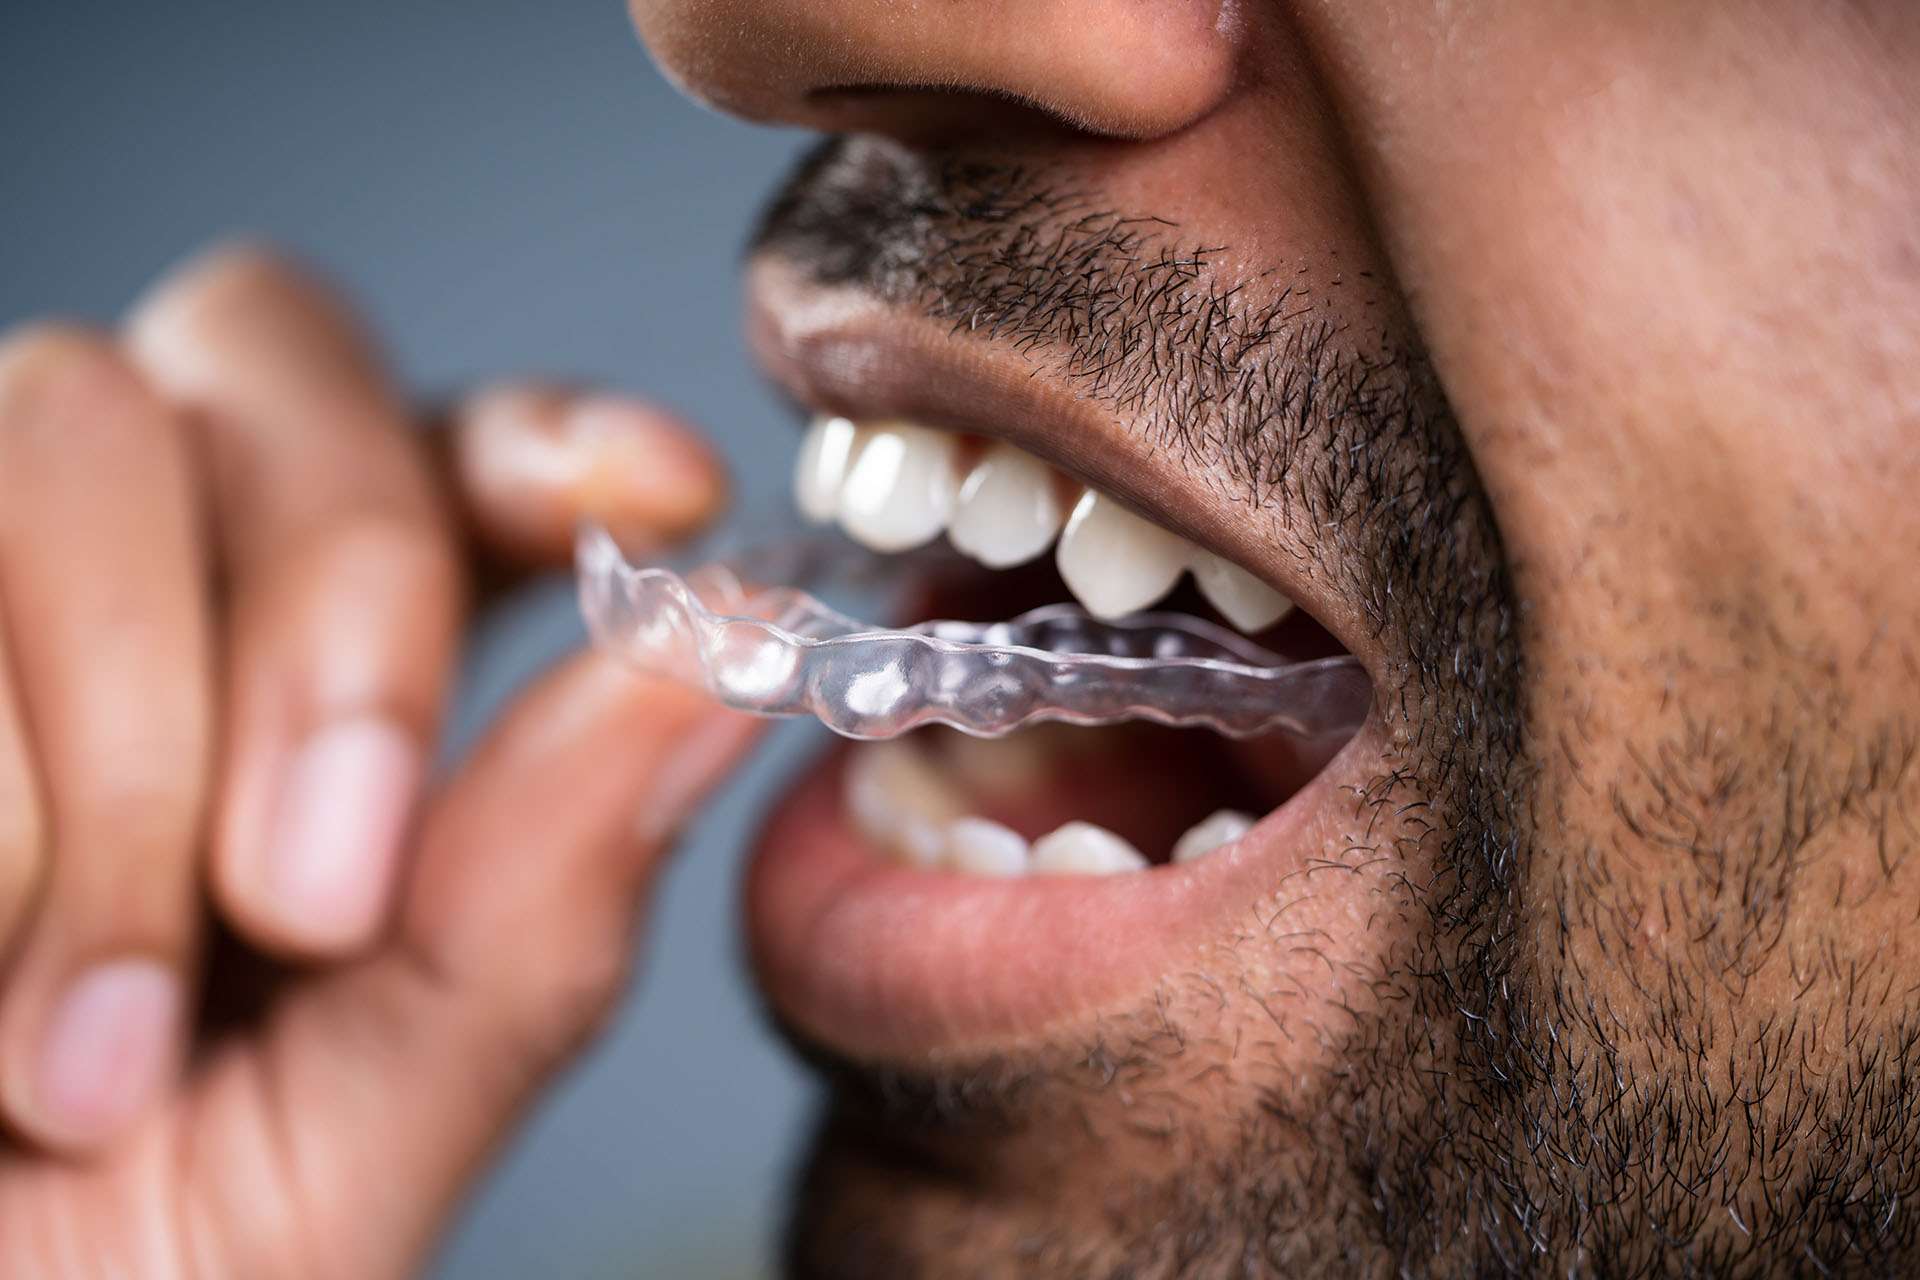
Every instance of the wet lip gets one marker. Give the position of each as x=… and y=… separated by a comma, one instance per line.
x=884, y=961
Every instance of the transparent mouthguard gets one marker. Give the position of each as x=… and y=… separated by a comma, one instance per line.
x=780, y=651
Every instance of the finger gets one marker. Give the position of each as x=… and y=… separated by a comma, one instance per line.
x=107, y=617
x=344, y=595
x=531, y=461
x=515, y=938
x=23, y=823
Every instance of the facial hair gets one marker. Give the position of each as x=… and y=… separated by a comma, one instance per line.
x=1489, y=1115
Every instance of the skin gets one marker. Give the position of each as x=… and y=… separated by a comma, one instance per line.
x=1632, y=556
x=221, y=534
x=1630, y=994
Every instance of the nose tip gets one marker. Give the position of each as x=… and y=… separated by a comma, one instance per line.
x=1118, y=68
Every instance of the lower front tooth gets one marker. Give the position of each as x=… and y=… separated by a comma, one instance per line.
x=1203, y=837
x=1082, y=849
x=982, y=847
x=898, y=801
x=1005, y=766
x=919, y=844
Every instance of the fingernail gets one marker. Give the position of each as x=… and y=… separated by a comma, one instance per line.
x=336, y=839
x=108, y=1049
x=641, y=468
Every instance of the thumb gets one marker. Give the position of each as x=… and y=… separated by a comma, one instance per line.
x=513, y=943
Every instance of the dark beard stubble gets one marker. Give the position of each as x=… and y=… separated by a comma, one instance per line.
x=1484, y=1119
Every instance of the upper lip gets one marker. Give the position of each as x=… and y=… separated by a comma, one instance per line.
x=836, y=349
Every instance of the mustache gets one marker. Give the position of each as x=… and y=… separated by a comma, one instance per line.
x=1136, y=317
x=1252, y=374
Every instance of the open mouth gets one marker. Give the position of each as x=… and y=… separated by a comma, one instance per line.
x=938, y=892
x=1054, y=799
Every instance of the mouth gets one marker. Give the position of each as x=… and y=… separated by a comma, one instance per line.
x=936, y=894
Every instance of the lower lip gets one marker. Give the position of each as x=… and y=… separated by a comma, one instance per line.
x=884, y=961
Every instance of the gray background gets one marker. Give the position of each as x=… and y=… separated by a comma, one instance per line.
x=505, y=187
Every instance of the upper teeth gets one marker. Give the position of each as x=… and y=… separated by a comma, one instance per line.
x=1114, y=562
x=1009, y=508
x=896, y=485
x=900, y=486
x=825, y=453
x=1241, y=598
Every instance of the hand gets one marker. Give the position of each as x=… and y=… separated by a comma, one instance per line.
x=232, y=580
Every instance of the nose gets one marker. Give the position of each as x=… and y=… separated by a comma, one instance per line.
x=1120, y=68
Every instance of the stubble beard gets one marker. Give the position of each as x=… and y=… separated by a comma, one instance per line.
x=1487, y=1113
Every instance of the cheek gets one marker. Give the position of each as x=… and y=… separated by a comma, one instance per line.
x=1721, y=743
x=1664, y=263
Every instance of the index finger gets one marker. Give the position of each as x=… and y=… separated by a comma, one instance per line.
x=344, y=593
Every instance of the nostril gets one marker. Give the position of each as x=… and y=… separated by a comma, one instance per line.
x=938, y=116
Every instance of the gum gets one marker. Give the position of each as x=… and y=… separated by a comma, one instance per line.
x=781, y=651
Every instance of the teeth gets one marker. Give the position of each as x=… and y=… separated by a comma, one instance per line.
x=1022, y=762
x=825, y=452
x=899, y=801
x=903, y=801
x=1008, y=510
x=900, y=489
x=1000, y=766
x=980, y=847
x=896, y=485
x=1082, y=849
x=1241, y=598
x=1115, y=562
x=1203, y=837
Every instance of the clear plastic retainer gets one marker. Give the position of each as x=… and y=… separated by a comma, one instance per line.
x=779, y=651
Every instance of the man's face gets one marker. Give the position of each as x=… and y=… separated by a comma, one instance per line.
x=1563, y=363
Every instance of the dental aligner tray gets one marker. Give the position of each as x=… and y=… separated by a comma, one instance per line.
x=780, y=651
